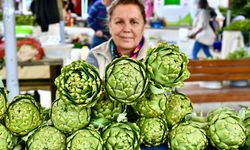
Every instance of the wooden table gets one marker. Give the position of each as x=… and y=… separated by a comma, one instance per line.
x=55, y=70
x=55, y=66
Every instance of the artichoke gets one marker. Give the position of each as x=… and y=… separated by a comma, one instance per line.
x=80, y=83
x=126, y=80
x=85, y=139
x=246, y=123
x=108, y=109
x=122, y=136
x=215, y=113
x=152, y=105
x=6, y=138
x=105, y=112
x=153, y=131
x=47, y=137
x=188, y=136
x=3, y=102
x=68, y=117
x=23, y=115
x=178, y=106
x=226, y=132
x=167, y=66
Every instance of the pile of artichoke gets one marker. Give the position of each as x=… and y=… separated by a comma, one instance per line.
x=134, y=106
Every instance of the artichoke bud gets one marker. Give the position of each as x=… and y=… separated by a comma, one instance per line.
x=68, y=117
x=23, y=115
x=106, y=108
x=225, y=131
x=189, y=136
x=178, y=106
x=122, y=136
x=3, y=102
x=152, y=105
x=88, y=139
x=246, y=123
x=126, y=80
x=6, y=138
x=153, y=131
x=47, y=137
x=81, y=86
x=224, y=111
x=167, y=66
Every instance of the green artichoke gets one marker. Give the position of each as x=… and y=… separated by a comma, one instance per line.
x=226, y=132
x=178, y=106
x=167, y=66
x=153, y=131
x=187, y=136
x=85, y=139
x=47, y=138
x=3, y=102
x=126, y=80
x=80, y=83
x=121, y=136
x=108, y=109
x=6, y=138
x=215, y=113
x=68, y=117
x=105, y=112
x=246, y=123
x=23, y=115
x=152, y=105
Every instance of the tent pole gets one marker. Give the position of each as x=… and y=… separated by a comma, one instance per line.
x=10, y=48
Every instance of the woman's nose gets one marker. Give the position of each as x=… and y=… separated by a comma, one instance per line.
x=127, y=27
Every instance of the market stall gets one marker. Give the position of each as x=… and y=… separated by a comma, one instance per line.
x=135, y=104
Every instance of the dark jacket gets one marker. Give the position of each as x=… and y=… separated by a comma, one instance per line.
x=46, y=12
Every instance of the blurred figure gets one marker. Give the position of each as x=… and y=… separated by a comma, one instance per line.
x=70, y=6
x=202, y=32
x=97, y=20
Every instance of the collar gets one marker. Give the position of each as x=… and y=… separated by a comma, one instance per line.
x=133, y=54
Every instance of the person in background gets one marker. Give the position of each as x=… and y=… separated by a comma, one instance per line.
x=70, y=6
x=202, y=32
x=126, y=31
x=97, y=20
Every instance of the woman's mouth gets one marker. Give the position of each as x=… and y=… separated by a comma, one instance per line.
x=126, y=38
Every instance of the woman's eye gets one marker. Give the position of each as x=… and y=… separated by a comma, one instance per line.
x=118, y=22
x=134, y=22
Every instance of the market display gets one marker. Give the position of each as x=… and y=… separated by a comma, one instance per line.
x=135, y=106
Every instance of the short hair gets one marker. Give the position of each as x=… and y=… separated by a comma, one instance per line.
x=203, y=4
x=116, y=3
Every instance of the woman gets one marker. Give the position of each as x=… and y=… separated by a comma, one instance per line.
x=126, y=23
x=202, y=31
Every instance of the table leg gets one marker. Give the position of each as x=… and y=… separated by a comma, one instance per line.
x=54, y=72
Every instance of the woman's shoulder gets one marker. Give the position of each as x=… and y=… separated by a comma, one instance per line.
x=102, y=48
x=100, y=52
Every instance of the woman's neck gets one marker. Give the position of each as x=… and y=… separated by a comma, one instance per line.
x=124, y=52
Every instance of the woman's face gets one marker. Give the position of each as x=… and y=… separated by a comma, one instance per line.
x=126, y=27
